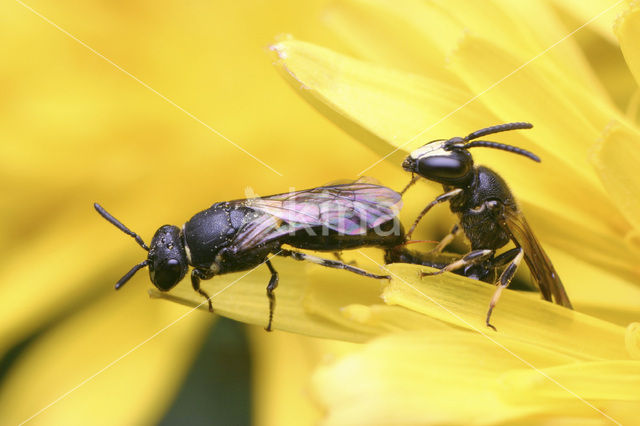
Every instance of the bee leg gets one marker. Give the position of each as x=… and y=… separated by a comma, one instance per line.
x=470, y=258
x=273, y=283
x=514, y=256
x=330, y=263
x=196, y=276
x=440, y=199
x=447, y=239
x=413, y=180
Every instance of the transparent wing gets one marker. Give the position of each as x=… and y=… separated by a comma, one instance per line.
x=259, y=231
x=351, y=209
x=539, y=264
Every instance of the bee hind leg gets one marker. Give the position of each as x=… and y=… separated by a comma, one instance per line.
x=513, y=257
x=470, y=258
x=330, y=263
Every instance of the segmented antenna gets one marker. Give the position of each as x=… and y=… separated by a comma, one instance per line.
x=129, y=274
x=497, y=129
x=504, y=147
x=115, y=222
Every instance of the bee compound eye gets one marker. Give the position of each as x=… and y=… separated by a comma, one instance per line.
x=445, y=167
x=168, y=273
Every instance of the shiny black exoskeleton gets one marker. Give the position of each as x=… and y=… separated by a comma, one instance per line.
x=239, y=235
x=487, y=211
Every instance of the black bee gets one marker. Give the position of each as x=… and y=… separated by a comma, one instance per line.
x=239, y=235
x=488, y=213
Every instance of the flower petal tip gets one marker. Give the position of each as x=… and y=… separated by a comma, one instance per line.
x=450, y=56
x=277, y=48
x=282, y=48
x=279, y=45
x=632, y=340
x=632, y=7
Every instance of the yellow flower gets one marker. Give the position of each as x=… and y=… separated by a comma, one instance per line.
x=79, y=131
x=76, y=130
x=434, y=70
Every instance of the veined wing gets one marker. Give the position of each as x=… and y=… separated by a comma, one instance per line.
x=539, y=264
x=262, y=230
x=351, y=209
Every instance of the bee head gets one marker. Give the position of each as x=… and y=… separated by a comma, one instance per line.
x=167, y=258
x=449, y=161
x=443, y=161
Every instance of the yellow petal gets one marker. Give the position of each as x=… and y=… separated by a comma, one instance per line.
x=600, y=13
x=632, y=338
x=309, y=299
x=481, y=64
x=435, y=377
x=520, y=317
x=382, y=107
x=375, y=29
x=616, y=158
x=544, y=36
x=429, y=31
x=94, y=355
x=391, y=318
x=627, y=29
x=603, y=380
x=617, y=302
x=591, y=243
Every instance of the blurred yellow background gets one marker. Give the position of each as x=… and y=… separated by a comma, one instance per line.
x=115, y=102
x=75, y=130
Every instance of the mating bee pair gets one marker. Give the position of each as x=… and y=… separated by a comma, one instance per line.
x=239, y=235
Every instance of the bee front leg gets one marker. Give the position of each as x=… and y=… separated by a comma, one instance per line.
x=414, y=179
x=440, y=199
x=515, y=257
x=196, y=276
x=273, y=283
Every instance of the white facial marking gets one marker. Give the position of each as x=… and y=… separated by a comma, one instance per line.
x=186, y=247
x=435, y=148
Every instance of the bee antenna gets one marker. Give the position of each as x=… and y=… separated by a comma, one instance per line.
x=504, y=147
x=115, y=222
x=497, y=129
x=129, y=274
